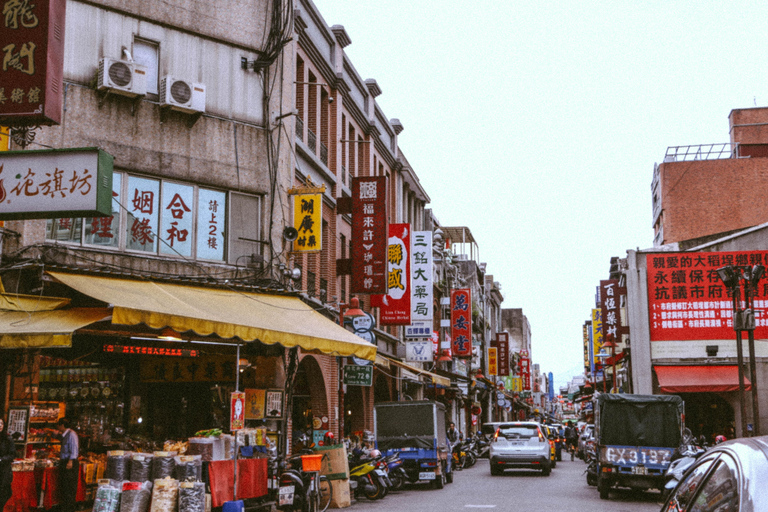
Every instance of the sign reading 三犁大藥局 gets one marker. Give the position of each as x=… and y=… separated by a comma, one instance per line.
x=49, y=184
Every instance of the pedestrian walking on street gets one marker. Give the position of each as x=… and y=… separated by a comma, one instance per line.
x=7, y=454
x=69, y=468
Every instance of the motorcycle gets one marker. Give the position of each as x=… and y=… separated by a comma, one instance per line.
x=471, y=452
x=683, y=458
x=590, y=456
x=459, y=456
x=397, y=474
x=366, y=478
x=482, y=446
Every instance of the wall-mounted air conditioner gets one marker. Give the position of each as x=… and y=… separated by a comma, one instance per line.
x=182, y=95
x=122, y=77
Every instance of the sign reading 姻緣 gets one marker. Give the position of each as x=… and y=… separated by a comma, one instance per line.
x=56, y=183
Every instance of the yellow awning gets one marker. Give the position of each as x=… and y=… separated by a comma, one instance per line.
x=38, y=329
x=436, y=379
x=269, y=319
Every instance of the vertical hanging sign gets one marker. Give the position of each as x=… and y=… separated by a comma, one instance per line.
x=461, y=322
x=502, y=343
x=32, y=41
x=395, y=306
x=597, y=333
x=493, y=361
x=369, y=234
x=421, y=286
x=308, y=222
x=609, y=307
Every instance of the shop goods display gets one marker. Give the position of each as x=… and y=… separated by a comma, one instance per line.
x=117, y=465
x=163, y=465
x=136, y=497
x=165, y=495
x=189, y=468
x=180, y=447
x=191, y=497
x=141, y=465
x=108, y=495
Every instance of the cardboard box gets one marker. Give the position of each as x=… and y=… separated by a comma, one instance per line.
x=335, y=464
x=340, y=497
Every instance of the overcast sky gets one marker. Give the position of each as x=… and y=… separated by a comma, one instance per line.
x=538, y=124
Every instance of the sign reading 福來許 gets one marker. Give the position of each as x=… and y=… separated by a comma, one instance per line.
x=57, y=183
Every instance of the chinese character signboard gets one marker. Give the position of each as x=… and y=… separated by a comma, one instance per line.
x=688, y=301
x=586, y=329
x=461, y=322
x=418, y=351
x=355, y=375
x=493, y=361
x=237, y=418
x=421, y=282
x=369, y=235
x=32, y=42
x=395, y=306
x=525, y=370
x=307, y=219
x=55, y=183
x=597, y=333
x=609, y=306
x=502, y=343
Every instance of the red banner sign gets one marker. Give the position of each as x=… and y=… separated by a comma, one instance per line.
x=461, y=322
x=369, y=235
x=525, y=370
x=32, y=41
x=395, y=306
x=688, y=301
x=501, y=342
x=150, y=351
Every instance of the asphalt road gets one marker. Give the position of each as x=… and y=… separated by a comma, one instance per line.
x=475, y=490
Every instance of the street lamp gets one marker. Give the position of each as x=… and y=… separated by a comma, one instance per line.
x=744, y=320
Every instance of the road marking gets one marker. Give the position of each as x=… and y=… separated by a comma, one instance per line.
x=479, y=506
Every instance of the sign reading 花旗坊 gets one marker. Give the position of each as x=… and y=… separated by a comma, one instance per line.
x=688, y=301
x=50, y=184
x=31, y=77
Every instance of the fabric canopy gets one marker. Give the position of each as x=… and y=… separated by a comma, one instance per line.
x=269, y=319
x=699, y=379
x=37, y=329
x=436, y=379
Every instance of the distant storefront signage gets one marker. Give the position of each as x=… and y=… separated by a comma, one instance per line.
x=32, y=42
x=501, y=341
x=49, y=184
x=147, y=350
x=308, y=222
x=421, y=279
x=461, y=322
x=395, y=306
x=688, y=301
x=493, y=362
x=418, y=351
x=369, y=234
x=355, y=375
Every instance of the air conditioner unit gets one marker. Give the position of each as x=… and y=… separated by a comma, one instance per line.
x=122, y=77
x=182, y=95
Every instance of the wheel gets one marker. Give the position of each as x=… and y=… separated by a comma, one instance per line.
x=397, y=480
x=495, y=470
x=375, y=486
x=471, y=460
x=449, y=478
x=591, y=479
x=439, y=481
x=325, y=491
x=546, y=470
x=603, y=488
x=554, y=463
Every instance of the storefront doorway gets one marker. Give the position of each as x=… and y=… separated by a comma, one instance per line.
x=310, y=403
x=708, y=414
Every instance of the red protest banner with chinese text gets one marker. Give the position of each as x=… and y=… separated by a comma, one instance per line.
x=32, y=39
x=369, y=234
x=395, y=306
x=461, y=322
x=688, y=301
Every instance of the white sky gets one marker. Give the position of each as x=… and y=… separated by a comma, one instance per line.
x=537, y=125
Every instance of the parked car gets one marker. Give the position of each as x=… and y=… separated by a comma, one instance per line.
x=521, y=445
x=583, y=437
x=729, y=476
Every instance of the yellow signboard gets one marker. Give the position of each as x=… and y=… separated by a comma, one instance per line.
x=308, y=221
x=597, y=332
x=5, y=139
x=493, y=361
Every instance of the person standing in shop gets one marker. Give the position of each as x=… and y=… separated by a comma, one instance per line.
x=69, y=468
x=7, y=454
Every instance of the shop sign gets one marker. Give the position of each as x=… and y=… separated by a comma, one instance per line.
x=18, y=423
x=418, y=351
x=254, y=404
x=355, y=375
x=688, y=301
x=273, y=403
x=461, y=322
x=421, y=279
x=32, y=40
x=586, y=329
x=237, y=411
x=493, y=362
x=308, y=222
x=48, y=184
x=150, y=350
x=609, y=306
x=419, y=330
x=597, y=333
x=395, y=305
x=525, y=371
x=501, y=341
x=369, y=234
x=203, y=369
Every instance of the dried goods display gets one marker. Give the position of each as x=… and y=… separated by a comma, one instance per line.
x=192, y=497
x=117, y=465
x=163, y=464
x=108, y=495
x=165, y=495
x=136, y=497
x=141, y=465
x=189, y=468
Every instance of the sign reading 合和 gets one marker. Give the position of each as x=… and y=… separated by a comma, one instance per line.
x=56, y=183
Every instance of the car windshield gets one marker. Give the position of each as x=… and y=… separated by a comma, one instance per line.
x=518, y=431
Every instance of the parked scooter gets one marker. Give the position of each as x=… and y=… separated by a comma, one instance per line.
x=684, y=457
x=590, y=457
x=397, y=474
x=482, y=446
x=364, y=476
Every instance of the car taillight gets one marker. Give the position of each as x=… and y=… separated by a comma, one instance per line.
x=496, y=435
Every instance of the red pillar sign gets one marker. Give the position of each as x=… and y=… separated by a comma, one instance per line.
x=369, y=235
x=461, y=323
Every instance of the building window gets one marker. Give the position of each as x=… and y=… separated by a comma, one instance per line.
x=157, y=217
x=147, y=54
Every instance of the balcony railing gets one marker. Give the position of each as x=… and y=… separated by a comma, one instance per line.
x=312, y=140
x=324, y=153
x=299, y=128
x=718, y=151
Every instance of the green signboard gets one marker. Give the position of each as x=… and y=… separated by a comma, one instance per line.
x=355, y=375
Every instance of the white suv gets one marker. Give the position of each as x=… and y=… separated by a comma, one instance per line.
x=520, y=444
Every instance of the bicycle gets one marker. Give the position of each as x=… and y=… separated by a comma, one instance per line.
x=311, y=491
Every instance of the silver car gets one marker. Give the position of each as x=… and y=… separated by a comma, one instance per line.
x=729, y=477
x=522, y=445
